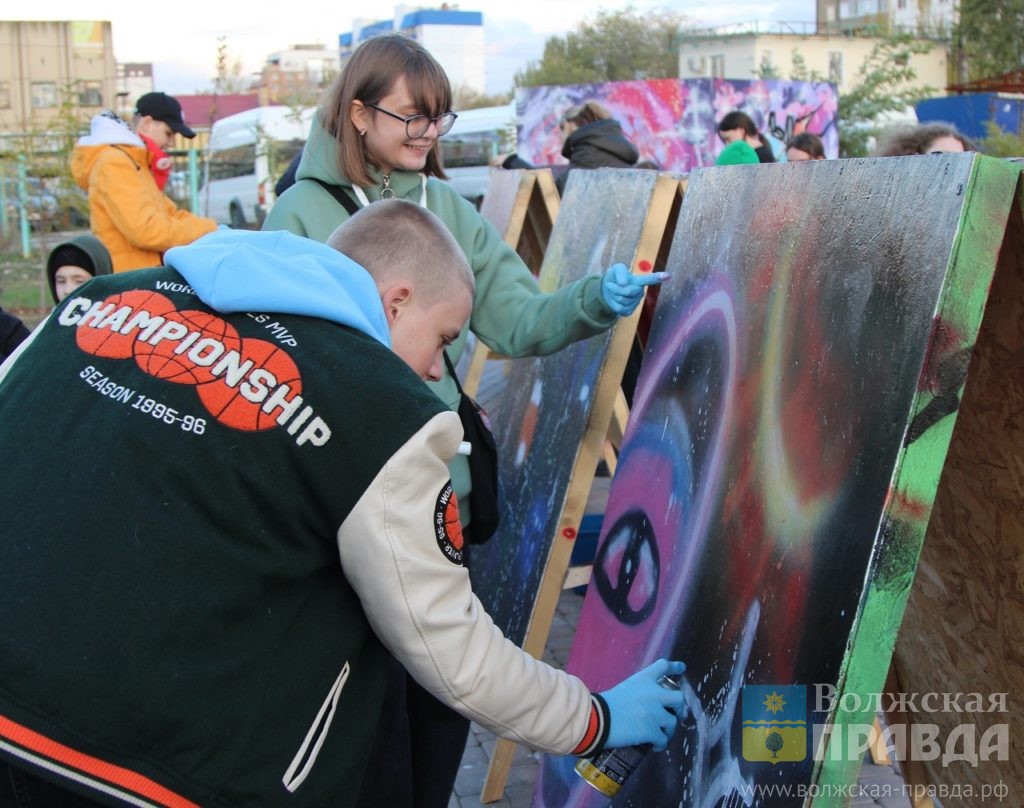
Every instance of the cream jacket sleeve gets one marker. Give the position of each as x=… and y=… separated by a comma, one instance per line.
x=420, y=605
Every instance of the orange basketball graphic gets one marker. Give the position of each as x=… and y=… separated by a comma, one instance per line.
x=241, y=407
x=194, y=365
x=452, y=525
x=447, y=527
x=109, y=343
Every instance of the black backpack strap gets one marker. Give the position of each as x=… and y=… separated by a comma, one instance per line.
x=343, y=199
x=451, y=370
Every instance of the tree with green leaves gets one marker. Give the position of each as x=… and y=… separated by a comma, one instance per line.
x=989, y=38
x=47, y=149
x=465, y=97
x=611, y=46
x=801, y=72
x=774, y=743
x=999, y=143
x=882, y=87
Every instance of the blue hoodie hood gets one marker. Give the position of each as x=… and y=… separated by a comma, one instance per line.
x=281, y=273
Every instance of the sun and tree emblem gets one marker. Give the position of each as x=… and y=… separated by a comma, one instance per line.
x=775, y=723
x=774, y=703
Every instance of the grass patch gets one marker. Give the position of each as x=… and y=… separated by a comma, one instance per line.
x=23, y=288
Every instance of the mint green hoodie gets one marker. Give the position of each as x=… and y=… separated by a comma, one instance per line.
x=511, y=315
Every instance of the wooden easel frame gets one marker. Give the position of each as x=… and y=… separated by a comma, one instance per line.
x=526, y=230
x=665, y=201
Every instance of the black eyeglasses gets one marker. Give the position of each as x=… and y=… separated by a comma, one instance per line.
x=417, y=125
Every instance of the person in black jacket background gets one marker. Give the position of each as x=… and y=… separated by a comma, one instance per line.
x=12, y=333
x=593, y=139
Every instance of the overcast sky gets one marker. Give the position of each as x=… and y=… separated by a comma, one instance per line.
x=183, y=47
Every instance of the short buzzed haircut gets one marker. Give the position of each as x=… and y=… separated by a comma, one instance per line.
x=395, y=238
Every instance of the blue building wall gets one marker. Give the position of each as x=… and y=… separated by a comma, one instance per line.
x=442, y=17
x=410, y=22
x=970, y=112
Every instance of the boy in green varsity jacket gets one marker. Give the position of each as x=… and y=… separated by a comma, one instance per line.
x=255, y=503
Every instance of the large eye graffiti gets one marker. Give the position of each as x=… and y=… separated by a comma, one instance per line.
x=627, y=568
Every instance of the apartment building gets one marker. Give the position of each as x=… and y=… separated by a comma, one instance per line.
x=925, y=17
x=746, y=50
x=134, y=80
x=455, y=38
x=43, y=64
x=299, y=73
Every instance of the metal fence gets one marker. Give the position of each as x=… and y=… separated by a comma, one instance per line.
x=37, y=193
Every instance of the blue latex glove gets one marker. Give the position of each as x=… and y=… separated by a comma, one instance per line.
x=641, y=710
x=622, y=291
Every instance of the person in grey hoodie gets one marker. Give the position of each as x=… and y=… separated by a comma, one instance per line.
x=211, y=629
x=73, y=262
x=593, y=139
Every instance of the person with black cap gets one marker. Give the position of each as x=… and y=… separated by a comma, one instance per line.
x=74, y=262
x=128, y=211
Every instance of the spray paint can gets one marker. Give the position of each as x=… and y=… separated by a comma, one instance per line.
x=607, y=771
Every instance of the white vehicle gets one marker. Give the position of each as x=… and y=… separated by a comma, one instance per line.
x=467, y=149
x=247, y=153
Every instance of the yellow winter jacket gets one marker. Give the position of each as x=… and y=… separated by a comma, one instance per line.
x=127, y=211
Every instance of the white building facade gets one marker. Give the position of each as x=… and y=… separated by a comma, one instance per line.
x=752, y=49
x=923, y=17
x=454, y=37
x=314, y=62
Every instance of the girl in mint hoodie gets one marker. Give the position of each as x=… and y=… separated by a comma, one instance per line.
x=376, y=137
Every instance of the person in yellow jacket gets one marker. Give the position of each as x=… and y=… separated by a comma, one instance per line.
x=127, y=210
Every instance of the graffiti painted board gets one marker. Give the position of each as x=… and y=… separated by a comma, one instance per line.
x=673, y=122
x=555, y=412
x=787, y=436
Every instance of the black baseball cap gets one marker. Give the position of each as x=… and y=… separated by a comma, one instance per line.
x=162, y=107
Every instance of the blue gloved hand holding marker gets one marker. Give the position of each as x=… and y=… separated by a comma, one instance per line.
x=623, y=290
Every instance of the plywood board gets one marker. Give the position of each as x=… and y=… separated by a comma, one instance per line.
x=767, y=512
x=964, y=624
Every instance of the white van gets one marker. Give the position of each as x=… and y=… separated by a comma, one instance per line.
x=477, y=136
x=246, y=154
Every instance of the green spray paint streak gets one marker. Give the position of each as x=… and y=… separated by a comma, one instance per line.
x=989, y=198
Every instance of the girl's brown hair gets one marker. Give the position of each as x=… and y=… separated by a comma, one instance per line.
x=917, y=139
x=587, y=112
x=369, y=76
x=810, y=143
